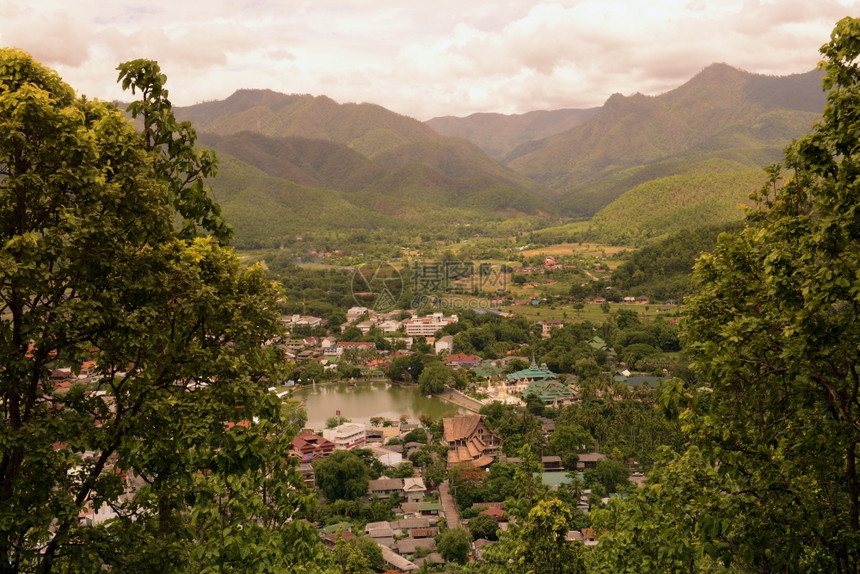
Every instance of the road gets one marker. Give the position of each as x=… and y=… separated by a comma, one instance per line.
x=449, y=507
x=460, y=400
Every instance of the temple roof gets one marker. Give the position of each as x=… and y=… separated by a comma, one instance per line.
x=533, y=373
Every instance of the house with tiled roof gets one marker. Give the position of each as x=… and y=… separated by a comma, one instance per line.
x=408, y=546
x=308, y=447
x=380, y=532
x=384, y=487
x=588, y=460
x=497, y=514
x=408, y=524
x=396, y=561
x=469, y=440
x=414, y=489
x=463, y=360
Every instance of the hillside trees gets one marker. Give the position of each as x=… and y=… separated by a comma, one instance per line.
x=538, y=543
x=775, y=329
x=663, y=270
x=773, y=332
x=93, y=268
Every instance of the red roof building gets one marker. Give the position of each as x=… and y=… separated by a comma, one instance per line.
x=462, y=360
x=309, y=447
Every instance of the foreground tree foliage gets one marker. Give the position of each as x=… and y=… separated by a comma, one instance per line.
x=538, y=544
x=101, y=261
x=773, y=331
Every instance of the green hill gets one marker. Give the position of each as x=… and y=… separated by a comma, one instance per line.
x=663, y=269
x=272, y=189
x=709, y=193
x=264, y=209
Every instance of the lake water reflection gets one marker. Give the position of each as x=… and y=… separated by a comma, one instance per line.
x=361, y=401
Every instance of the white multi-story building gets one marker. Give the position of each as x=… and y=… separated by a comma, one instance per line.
x=347, y=436
x=354, y=313
x=428, y=325
x=303, y=321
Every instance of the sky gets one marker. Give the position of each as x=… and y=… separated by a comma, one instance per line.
x=424, y=58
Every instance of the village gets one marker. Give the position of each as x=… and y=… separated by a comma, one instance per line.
x=403, y=457
x=420, y=474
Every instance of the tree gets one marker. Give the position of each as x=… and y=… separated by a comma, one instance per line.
x=773, y=333
x=539, y=543
x=351, y=333
x=403, y=470
x=309, y=371
x=434, y=378
x=417, y=434
x=627, y=319
x=93, y=267
x=341, y=476
x=484, y=526
x=534, y=405
x=466, y=484
x=406, y=368
x=359, y=555
x=454, y=544
x=568, y=440
x=516, y=365
x=336, y=421
x=435, y=473
x=349, y=558
x=528, y=485
x=612, y=474
x=662, y=527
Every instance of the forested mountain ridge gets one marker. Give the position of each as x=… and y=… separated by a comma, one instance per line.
x=275, y=188
x=500, y=134
x=636, y=160
x=392, y=139
x=300, y=164
x=722, y=112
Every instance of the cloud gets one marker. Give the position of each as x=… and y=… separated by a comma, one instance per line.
x=580, y=53
x=422, y=59
x=63, y=38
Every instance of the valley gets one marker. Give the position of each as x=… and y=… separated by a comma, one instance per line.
x=617, y=339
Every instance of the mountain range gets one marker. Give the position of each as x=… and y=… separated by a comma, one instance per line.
x=639, y=167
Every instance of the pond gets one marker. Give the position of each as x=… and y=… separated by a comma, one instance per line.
x=364, y=400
